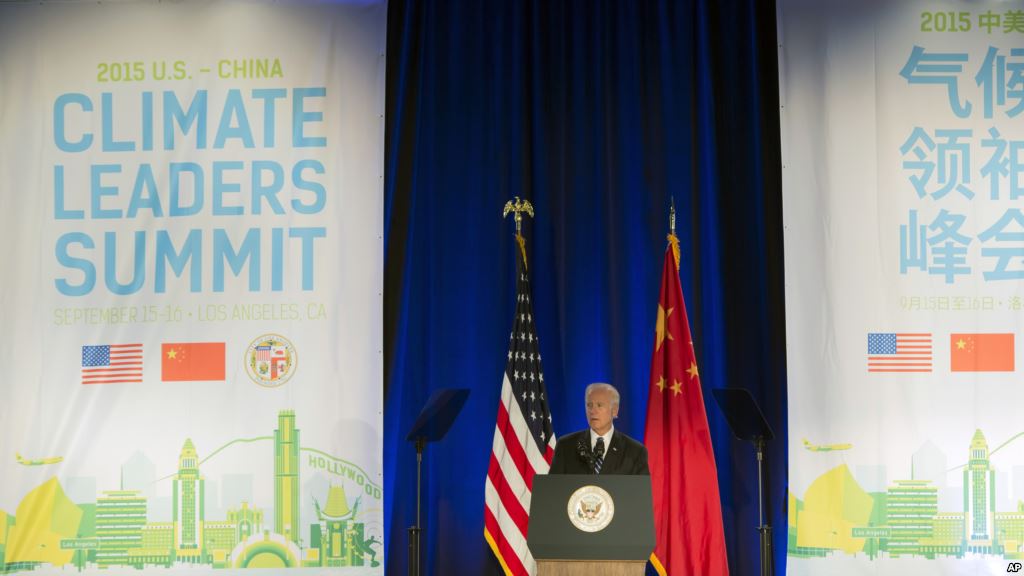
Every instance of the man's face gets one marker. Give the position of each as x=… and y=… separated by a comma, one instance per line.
x=600, y=411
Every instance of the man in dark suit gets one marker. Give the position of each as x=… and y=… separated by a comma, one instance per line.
x=600, y=449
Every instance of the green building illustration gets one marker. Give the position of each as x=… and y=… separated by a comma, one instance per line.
x=337, y=536
x=947, y=536
x=157, y=546
x=189, y=504
x=247, y=521
x=120, y=517
x=911, y=506
x=286, y=477
x=979, y=497
x=5, y=522
x=1009, y=532
x=219, y=539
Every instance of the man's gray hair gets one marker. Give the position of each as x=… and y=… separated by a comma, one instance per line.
x=602, y=386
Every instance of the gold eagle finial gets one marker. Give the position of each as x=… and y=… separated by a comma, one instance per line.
x=517, y=208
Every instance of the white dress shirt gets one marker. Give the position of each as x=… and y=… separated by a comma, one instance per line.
x=607, y=438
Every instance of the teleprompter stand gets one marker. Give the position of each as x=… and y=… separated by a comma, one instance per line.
x=433, y=423
x=748, y=423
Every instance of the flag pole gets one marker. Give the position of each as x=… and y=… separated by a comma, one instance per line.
x=673, y=240
x=672, y=217
x=688, y=516
x=517, y=208
x=506, y=504
x=765, y=529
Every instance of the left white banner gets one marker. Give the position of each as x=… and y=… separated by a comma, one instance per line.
x=191, y=202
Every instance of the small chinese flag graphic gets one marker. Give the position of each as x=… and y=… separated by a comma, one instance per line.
x=981, y=352
x=191, y=361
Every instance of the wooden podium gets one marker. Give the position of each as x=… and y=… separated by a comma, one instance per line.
x=591, y=525
x=591, y=567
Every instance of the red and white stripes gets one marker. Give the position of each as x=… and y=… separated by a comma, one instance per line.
x=515, y=459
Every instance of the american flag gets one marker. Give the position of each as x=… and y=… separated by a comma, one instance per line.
x=899, y=352
x=112, y=364
x=524, y=442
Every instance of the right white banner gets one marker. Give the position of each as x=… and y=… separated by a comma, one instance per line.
x=903, y=191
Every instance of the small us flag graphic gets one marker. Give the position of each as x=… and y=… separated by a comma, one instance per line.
x=112, y=364
x=899, y=352
x=263, y=353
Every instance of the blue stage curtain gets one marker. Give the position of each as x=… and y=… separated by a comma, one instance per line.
x=598, y=112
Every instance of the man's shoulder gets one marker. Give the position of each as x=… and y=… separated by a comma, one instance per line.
x=574, y=436
x=629, y=442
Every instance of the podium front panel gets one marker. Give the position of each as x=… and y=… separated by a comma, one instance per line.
x=628, y=536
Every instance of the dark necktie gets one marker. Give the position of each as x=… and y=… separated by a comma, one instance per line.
x=598, y=455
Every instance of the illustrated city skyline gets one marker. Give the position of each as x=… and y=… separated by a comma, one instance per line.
x=864, y=512
x=73, y=524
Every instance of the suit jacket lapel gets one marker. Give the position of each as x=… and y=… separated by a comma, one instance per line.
x=613, y=455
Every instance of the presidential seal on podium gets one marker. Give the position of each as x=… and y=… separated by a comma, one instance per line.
x=591, y=508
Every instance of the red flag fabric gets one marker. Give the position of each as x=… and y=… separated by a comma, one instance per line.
x=981, y=352
x=684, y=479
x=192, y=361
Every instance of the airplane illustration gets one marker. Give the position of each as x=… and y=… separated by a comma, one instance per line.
x=39, y=462
x=826, y=447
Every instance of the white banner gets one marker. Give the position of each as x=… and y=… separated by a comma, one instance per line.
x=191, y=203
x=903, y=178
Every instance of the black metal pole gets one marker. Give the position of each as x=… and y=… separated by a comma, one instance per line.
x=415, y=532
x=764, y=529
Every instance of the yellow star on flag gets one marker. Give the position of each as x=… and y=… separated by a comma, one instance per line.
x=692, y=370
x=677, y=387
x=661, y=384
x=172, y=353
x=659, y=327
x=960, y=344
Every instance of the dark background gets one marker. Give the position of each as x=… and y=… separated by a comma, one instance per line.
x=598, y=113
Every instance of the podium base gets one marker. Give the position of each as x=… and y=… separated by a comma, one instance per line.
x=591, y=567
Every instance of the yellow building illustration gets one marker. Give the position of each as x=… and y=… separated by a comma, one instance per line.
x=157, y=545
x=45, y=516
x=220, y=538
x=338, y=537
x=286, y=477
x=1009, y=527
x=833, y=505
x=247, y=520
x=947, y=535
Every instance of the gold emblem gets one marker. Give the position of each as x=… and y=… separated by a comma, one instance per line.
x=591, y=509
x=270, y=360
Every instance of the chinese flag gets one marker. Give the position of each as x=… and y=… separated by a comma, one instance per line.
x=684, y=479
x=189, y=361
x=981, y=352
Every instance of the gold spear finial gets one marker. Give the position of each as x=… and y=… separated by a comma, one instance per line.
x=673, y=240
x=517, y=208
x=672, y=217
